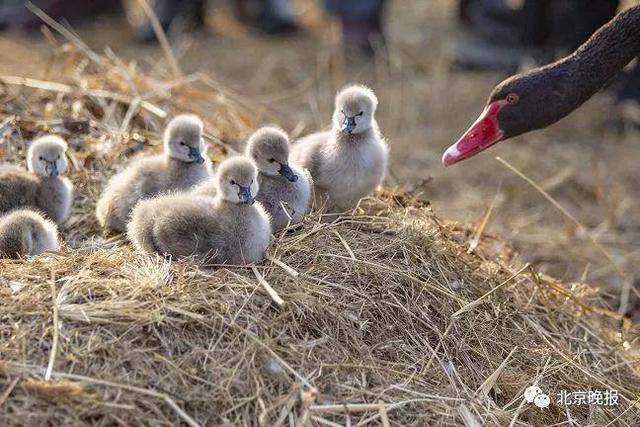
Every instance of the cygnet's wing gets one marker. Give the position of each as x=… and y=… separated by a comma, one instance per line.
x=139, y=181
x=18, y=188
x=14, y=242
x=150, y=177
x=207, y=188
x=140, y=226
x=190, y=227
x=44, y=236
x=307, y=152
x=117, y=200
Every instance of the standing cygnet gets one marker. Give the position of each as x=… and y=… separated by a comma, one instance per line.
x=282, y=185
x=42, y=187
x=26, y=233
x=228, y=228
x=350, y=161
x=180, y=167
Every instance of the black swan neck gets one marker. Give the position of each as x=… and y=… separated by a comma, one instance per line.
x=608, y=50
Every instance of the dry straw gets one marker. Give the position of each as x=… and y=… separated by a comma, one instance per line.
x=379, y=318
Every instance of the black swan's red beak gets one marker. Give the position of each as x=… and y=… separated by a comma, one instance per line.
x=484, y=133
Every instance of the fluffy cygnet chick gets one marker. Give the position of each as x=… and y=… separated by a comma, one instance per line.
x=26, y=233
x=180, y=167
x=285, y=190
x=348, y=162
x=41, y=187
x=228, y=228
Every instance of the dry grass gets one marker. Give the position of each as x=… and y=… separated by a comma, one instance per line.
x=381, y=308
x=386, y=319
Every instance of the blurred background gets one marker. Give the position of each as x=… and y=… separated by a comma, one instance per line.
x=433, y=64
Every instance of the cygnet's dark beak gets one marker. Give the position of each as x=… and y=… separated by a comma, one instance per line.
x=194, y=153
x=245, y=195
x=349, y=124
x=51, y=168
x=286, y=171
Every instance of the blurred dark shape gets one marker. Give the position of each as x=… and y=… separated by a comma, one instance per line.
x=189, y=14
x=276, y=17
x=271, y=17
x=629, y=84
x=574, y=21
x=497, y=36
x=627, y=100
x=77, y=126
x=502, y=35
x=362, y=24
x=13, y=13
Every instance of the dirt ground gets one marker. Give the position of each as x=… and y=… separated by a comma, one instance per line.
x=424, y=107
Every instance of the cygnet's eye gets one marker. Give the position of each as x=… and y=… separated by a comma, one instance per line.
x=233, y=182
x=41, y=159
x=58, y=156
x=271, y=160
x=361, y=113
x=182, y=143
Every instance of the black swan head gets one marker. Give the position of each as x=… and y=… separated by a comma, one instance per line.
x=540, y=97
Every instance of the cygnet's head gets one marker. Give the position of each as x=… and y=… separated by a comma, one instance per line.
x=268, y=147
x=238, y=180
x=355, y=109
x=46, y=156
x=183, y=139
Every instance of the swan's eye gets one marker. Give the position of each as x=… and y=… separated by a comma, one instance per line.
x=512, y=98
x=271, y=160
x=233, y=182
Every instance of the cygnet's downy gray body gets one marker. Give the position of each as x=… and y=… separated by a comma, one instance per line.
x=285, y=190
x=26, y=233
x=348, y=162
x=42, y=187
x=226, y=229
x=208, y=187
x=179, y=168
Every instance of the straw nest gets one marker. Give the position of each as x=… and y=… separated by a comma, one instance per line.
x=383, y=317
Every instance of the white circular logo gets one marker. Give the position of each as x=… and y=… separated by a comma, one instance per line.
x=533, y=394
x=542, y=401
